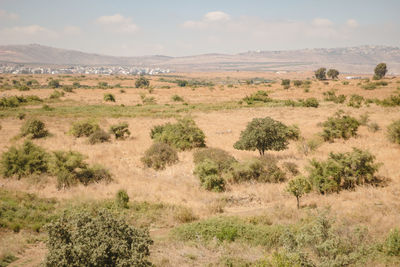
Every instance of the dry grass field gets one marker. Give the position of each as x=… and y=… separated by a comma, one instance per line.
x=216, y=111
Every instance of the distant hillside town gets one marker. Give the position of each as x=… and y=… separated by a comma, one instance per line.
x=106, y=70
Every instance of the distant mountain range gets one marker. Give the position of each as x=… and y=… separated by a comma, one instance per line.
x=360, y=59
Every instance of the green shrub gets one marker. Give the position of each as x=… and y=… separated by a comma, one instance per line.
x=120, y=131
x=256, y=170
x=84, y=128
x=259, y=96
x=159, y=155
x=320, y=74
x=263, y=134
x=68, y=88
x=142, y=82
x=99, y=136
x=356, y=101
x=285, y=82
x=96, y=239
x=25, y=160
x=310, y=102
x=391, y=245
x=392, y=101
x=222, y=158
x=291, y=167
x=93, y=174
x=54, y=83
x=109, y=98
x=34, y=128
x=21, y=116
x=25, y=211
x=122, y=199
x=373, y=127
x=183, y=135
x=393, y=132
x=177, y=98
x=293, y=132
x=297, y=83
x=343, y=171
x=331, y=96
x=208, y=173
x=16, y=101
x=369, y=86
x=56, y=94
x=340, y=126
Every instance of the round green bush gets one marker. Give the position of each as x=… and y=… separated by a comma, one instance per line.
x=122, y=199
x=84, y=128
x=120, y=131
x=222, y=158
x=159, y=155
x=393, y=132
x=98, y=238
x=109, y=98
x=34, y=128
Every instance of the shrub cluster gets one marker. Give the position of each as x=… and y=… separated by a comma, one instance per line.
x=331, y=96
x=340, y=126
x=99, y=136
x=56, y=94
x=259, y=96
x=343, y=171
x=356, y=101
x=120, y=131
x=159, y=155
x=85, y=238
x=393, y=132
x=142, y=82
x=16, y=101
x=84, y=128
x=183, y=135
x=34, y=128
x=109, y=98
x=311, y=102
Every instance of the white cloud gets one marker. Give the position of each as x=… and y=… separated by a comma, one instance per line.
x=321, y=22
x=8, y=15
x=72, y=30
x=117, y=23
x=29, y=30
x=209, y=19
x=352, y=23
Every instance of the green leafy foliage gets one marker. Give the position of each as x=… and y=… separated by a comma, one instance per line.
x=393, y=132
x=121, y=130
x=263, y=134
x=285, y=82
x=340, y=126
x=100, y=239
x=109, y=98
x=25, y=160
x=159, y=155
x=122, y=199
x=54, y=83
x=333, y=73
x=343, y=171
x=210, y=177
x=99, y=136
x=331, y=96
x=259, y=96
x=34, y=128
x=320, y=74
x=220, y=157
x=298, y=187
x=56, y=94
x=310, y=102
x=356, y=101
x=142, y=82
x=177, y=98
x=84, y=128
x=380, y=70
x=391, y=246
x=25, y=211
x=183, y=135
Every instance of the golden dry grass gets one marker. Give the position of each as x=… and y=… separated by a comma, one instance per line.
x=377, y=208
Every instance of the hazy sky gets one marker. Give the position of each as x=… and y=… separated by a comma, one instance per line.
x=187, y=27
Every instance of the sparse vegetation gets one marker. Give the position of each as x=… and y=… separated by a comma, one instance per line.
x=142, y=82
x=120, y=131
x=159, y=155
x=393, y=132
x=99, y=136
x=34, y=128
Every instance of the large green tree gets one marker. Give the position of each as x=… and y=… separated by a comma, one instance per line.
x=320, y=74
x=264, y=134
x=333, y=73
x=380, y=70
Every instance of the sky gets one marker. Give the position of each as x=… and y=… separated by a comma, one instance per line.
x=189, y=27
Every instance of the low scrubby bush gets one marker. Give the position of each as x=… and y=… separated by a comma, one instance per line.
x=100, y=238
x=84, y=128
x=120, y=131
x=56, y=94
x=109, y=98
x=340, y=126
x=15, y=101
x=183, y=135
x=142, y=82
x=391, y=245
x=122, y=199
x=393, y=132
x=210, y=177
x=177, y=98
x=34, y=128
x=222, y=158
x=311, y=102
x=331, y=96
x=159, y=155
x=25, y=160
x=356, y=101
x=99, y=136
x=343, y=171
x=259, y=96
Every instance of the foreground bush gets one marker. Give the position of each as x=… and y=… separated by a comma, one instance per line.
x=182, y=135
x=34, y=128
x=393, y=132
x=25, y=160
x=159, y=155
x=340, y=126
x=120, y=131
x=101, y=239
x=343, y=171
x=84, y=128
